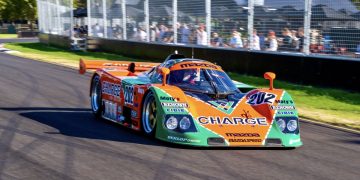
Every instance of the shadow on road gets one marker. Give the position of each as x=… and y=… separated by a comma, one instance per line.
x=80, y=122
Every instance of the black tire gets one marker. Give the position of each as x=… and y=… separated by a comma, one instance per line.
x=148, y=116
x=95, y=97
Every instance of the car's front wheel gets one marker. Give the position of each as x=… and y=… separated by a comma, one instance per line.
x=148, y=118
x=95, y=96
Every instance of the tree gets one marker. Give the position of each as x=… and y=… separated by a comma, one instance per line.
x=356, y=3
x=79, y=3
x=18, y=9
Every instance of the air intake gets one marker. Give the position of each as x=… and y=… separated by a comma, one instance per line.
x=273, y=142
x=216, y=141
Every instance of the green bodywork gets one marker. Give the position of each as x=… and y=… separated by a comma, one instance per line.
x=200, y=137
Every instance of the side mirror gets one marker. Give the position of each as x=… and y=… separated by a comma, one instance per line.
x=270, y=76
x=164, y=72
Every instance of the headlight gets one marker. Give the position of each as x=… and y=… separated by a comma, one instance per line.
x=171, y=123
x=185, y=123
x=281, y=124
x=292, y=125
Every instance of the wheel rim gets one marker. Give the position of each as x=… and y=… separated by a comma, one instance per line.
x=95, y=96
x=149, y=117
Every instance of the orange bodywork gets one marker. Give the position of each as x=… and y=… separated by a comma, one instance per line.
x=121, y=66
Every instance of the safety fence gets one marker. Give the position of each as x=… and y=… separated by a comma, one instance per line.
x=308, y=27
x=55, y=17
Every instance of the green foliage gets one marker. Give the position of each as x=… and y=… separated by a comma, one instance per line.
x=18, y=9
x=356, y=3
x=79, y=3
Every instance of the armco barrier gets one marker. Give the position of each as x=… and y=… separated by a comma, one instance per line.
x=55, y=40
x=307, y=70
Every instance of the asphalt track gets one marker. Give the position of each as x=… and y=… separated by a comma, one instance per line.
x=48, y=132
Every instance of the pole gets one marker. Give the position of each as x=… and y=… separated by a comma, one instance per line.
x=104, y=17
x=71, y=20
x=88, y=4
x=123, y=9
x=307, y=26
x=39, y=8
x=58, y=17
x=175, y=16
x=147, y=20
x=251, y=23
x=208, y=20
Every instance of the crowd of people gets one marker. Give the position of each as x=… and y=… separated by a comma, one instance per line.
x=288, y=40
x=285, y=40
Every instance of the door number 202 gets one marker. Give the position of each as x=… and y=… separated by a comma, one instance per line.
x=261, y=98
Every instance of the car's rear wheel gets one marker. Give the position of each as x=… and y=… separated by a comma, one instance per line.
x=95, y=96
x=148, y=118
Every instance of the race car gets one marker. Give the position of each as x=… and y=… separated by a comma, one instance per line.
x=192, y=102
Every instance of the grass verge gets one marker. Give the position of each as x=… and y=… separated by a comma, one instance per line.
x=8, y=36
x=333, y=106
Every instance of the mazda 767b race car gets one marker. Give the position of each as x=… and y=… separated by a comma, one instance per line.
x=192, y=102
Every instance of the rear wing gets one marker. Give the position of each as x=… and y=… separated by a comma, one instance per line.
x=120, y=65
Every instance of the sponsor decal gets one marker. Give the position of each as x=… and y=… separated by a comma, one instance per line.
x=174, y=104
x=282, y=107
x=226, y=107
x=246, y=114
x=111, y=89
x=129, y=94
x=163, y=98
x=261, y=121
x=261, y=98
x=141, y=91
x=181, y=139
x=198, y=65
x=244, y=140
x=133, y=114
x=177, y=110
x=285, y=112
x=284, y=101
x=110, y=110
x=119, y=109
x=242, y=134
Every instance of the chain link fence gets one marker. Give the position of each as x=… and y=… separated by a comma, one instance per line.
x=303, y=27
x=55, y=16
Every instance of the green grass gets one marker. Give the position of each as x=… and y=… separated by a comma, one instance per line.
x=8, y=36
x=334, y=106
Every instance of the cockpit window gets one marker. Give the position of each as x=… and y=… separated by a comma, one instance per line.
x=202, y=80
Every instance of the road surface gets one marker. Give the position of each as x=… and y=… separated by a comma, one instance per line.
x=48, y=132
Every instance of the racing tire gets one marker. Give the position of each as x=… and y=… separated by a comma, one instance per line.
x=95, y=97
x=148, y=117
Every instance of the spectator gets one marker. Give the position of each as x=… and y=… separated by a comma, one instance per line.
x=255, y=44
x=235, y=40
x=184, y=34
x=97, y=31
x=286, y=41
x=118, y=32
x=154, y=30
x=168, y=36
x=141, y=34
x=262, y=41
x=273, y=44
x=216, y=41
x=294, y=40
x=201, y=36
x=162, y=30
x=301, y=39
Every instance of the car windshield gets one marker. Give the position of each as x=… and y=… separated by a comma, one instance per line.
x=203, y=81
